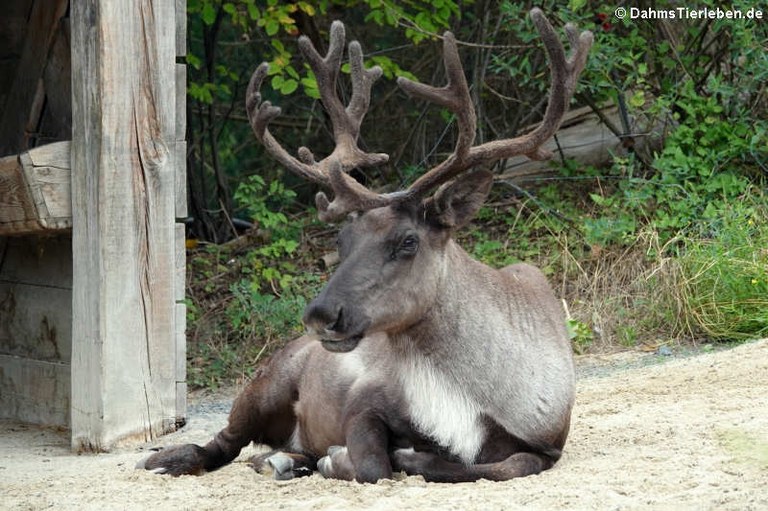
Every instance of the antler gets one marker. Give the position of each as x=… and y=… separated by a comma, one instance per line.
x=330, y=172
x=349, y=195
x=565, y=73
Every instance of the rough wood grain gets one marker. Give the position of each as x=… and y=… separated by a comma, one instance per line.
x=55, y=124
x=35, y=191
x=17, y=209
x=124, y=367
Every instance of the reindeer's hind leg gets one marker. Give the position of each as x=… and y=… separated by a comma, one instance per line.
x=437, y=469
x=262, y=413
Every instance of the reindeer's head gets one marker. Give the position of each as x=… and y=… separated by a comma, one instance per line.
x=393, y=249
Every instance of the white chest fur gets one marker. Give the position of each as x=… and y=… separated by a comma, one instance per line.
x=441, y=410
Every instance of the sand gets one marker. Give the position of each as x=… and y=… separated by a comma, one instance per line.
x=648, y=432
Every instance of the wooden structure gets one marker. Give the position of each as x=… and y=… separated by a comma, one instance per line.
x=587, y=139
x=92, y=162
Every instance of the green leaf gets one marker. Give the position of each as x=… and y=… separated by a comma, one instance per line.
x=253, y=11
x=291, y=72
x=278, y=45
x=637, y=100
x=271, y=27
x=208, y=14
x=193, y=60
x=277, y=82
x=289, y=86
x=575, y=5
x=597, y=199
x=307, y=8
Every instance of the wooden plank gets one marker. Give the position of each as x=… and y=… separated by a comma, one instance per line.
x=124, y=368
x=180, y=281
x=181, y=101
x=181, y=145
x=581, y=137
x=181, y=180
x=35, y=190
x=181, y=28
x=41, y=29
x=17, y=209
x=181, y=361
x=35, y=328
x=34, y=391
x=48, y=174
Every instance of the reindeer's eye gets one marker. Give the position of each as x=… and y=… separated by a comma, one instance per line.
x=409, y=245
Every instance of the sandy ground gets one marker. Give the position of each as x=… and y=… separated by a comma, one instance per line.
x=648, y=432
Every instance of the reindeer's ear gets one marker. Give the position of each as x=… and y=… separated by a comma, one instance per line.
x=456, y=203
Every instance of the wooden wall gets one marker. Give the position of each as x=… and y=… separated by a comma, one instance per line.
x=35, y=271
x=92, y=320
x=35, y=328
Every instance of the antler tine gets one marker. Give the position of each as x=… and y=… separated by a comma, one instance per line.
x=326, y=71
x=260, y=115
x=330, y=172
x=455, y=97
x=346, y=121
x=565, y=73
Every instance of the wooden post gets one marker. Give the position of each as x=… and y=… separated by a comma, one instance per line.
x=125, y=358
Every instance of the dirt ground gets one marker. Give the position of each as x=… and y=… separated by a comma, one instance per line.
x=648, y=432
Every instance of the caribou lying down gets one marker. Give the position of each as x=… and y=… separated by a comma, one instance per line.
x=417, y=358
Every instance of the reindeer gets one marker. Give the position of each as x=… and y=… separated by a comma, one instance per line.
x=417, y=357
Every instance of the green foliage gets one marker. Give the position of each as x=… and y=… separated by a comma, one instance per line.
x=269, y=264
x=725, y=274
x=708, y=160
x=581, y=335
x=648, y=243
x=259, y=201
x=254, y=315
x=423, y=18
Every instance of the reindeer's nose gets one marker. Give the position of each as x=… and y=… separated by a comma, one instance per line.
x=322, y=318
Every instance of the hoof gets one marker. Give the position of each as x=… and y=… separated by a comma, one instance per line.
x=175, y=461
x=281, y=466
x=325, y=464
x=325, y=467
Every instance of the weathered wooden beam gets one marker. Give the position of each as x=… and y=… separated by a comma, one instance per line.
x=124, y=360
x=35, y=191
x=585, y=138
x=181, y=211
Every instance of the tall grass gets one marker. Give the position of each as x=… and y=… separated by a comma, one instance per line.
x=725, y=274
x=711, y=285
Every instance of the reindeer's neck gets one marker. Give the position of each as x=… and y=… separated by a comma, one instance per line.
x=467, y=298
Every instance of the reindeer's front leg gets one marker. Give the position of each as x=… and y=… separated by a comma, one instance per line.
x=365, y=458
x=191, y=459
x=263, y=413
